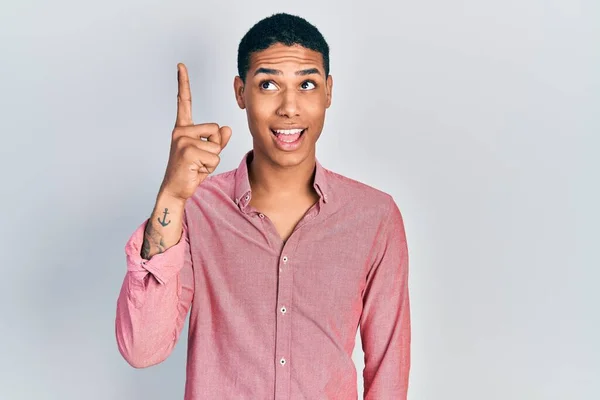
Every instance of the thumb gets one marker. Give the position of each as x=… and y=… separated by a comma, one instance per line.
x=225, y=132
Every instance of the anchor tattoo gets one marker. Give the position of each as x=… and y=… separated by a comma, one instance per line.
x=164, y=220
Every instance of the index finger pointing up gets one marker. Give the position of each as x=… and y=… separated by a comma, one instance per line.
x=184, y=98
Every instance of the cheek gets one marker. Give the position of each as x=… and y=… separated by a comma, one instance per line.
x=316, y=103
x=315, y=110
x=257, y=115
x=260, y=109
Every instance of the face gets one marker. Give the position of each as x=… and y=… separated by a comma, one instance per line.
x=285, y=96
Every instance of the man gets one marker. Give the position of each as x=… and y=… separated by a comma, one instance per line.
x=279, y=260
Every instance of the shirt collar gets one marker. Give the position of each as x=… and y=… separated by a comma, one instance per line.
x=243, y=191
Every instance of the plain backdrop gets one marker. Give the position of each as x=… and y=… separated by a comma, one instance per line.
x=480, y=117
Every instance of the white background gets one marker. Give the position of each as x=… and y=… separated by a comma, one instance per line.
x=480, y=118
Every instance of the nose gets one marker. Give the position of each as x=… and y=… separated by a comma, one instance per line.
x=289, y=104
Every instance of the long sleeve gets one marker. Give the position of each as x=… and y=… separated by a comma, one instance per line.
x=154, y=300
x=385, y=320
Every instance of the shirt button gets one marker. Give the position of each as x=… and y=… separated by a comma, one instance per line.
x=285, y=259
x=282, y=361
x=261, y=215
x=247, y=197
x=283, y=310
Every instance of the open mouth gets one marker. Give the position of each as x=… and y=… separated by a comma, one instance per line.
x=288, y=135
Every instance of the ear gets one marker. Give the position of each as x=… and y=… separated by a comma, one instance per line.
x=238, y=87
x=329, y=90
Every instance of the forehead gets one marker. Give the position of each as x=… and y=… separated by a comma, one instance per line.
x=282, y=55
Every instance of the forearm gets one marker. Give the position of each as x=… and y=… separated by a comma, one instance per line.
x=164, y=227
x=154, y=299
x=150, y=319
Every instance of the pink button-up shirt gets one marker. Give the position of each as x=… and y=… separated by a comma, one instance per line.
x=275, y=320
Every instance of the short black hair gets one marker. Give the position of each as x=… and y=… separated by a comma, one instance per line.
x=280, y=28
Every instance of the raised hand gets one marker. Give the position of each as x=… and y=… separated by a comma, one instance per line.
x=195, y=149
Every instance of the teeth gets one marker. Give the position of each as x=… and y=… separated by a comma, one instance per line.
x=288, y=131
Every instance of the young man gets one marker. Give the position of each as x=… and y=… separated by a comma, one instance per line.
x=279, y=260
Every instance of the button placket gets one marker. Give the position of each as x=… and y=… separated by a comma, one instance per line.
x=283, y=333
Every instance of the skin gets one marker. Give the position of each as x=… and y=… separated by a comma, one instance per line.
x=276, y=95
x=191, y=159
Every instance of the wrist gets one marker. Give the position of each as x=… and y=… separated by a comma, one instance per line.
x=164, y=197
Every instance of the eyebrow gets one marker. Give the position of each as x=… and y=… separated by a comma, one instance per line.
x=271, y=71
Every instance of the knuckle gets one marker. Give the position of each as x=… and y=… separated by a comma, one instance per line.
x=212, y=126
x=187, y=151
x=214, y=147
x=179, y=141
x=180, y=132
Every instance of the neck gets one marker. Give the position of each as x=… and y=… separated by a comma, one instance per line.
x=271, y=180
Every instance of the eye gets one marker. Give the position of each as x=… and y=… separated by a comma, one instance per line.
x=265, y=85
x=305, y=83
